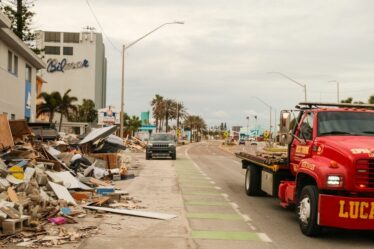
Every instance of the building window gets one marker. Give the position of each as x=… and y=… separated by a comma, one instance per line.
x=52, y=50
x=15, y=69
x=12, y=116
x=28, y=73
x=68, y=50
x=10, y=61
x=52, y=36
x=71, y=37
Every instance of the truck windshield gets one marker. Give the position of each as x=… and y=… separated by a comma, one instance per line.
x=345, y=124
x=162, y=137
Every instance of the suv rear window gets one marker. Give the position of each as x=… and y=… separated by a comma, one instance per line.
x=162, y=137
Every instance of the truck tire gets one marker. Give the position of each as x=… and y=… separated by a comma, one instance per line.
x=253, y=181
x=308, y=211
x=147, y=156
x=174, y=156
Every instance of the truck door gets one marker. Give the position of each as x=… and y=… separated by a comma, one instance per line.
x=304, y=134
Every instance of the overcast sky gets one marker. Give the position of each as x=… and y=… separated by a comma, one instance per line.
x=220, y=58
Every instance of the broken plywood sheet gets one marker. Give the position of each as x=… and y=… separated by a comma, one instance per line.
x=68, y=180
x=98, y=133
x=6, y=138
x=62, y=192
x=99, y=182
x=152, y=215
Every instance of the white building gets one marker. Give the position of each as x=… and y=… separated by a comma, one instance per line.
x=74, y=61
x=18, y=66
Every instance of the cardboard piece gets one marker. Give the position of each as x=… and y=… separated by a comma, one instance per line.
x=6, y=138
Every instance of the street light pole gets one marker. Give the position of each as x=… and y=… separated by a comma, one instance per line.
x=124, y=48
x=337, y=89
x=248, y=126
x=270, y=109
x=294, y=81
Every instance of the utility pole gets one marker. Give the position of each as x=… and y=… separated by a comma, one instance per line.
x=337, y=89
x=248, y=126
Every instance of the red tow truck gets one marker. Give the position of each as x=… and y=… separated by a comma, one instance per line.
x=327, y=172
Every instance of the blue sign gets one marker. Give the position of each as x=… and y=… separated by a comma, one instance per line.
x=27, y=99
x=55, y=66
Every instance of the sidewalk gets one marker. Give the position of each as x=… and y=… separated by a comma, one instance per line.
x=157, y=188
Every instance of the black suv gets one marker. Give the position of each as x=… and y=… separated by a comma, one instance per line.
x=161, y=145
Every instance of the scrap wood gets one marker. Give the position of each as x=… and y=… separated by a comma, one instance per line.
x=99, y=182
x=100, y=200
x=62, y=192
x=12, y=195
x=152, y=215
x=11, y=212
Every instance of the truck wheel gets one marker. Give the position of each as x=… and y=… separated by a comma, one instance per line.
x=174, y=157
x=308, y=211
x=147, y=156
x=252, y=181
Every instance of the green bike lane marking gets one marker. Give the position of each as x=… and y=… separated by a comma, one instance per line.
x=206, y=203
x=193, y=179
x=215, y=216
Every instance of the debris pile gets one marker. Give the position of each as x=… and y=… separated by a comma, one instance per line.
x=46, y=185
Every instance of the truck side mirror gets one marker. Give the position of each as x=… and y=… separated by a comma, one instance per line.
x=285, y=120
x=284, y=127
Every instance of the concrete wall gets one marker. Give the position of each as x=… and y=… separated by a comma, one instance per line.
x=12, y=87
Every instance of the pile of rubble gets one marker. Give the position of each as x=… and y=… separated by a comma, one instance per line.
x=45, y=185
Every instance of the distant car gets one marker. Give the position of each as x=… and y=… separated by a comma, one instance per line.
x=161, y=145
x=241, y=141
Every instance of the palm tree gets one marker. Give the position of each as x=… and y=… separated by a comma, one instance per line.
x=132, y=124
x=66, y=105
x=49, y=106
x=195, y=123
x=157, y=108
x=86, y=112
x=181, y=112
x=169, y=112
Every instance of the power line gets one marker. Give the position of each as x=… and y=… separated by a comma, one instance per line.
x=101, y=27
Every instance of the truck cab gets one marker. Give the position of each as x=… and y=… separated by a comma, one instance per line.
x=329, y=172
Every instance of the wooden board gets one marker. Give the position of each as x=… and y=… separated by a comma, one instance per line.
x=139, y=213
x=6, y=138
x=12, y=195
x=99, y=182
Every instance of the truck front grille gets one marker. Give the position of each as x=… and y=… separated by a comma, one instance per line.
x=364, y=173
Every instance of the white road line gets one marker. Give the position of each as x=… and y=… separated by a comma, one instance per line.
x=264, y=237
x=213, y=182
x=216, y=187
x=246, y=218
x=234, y=205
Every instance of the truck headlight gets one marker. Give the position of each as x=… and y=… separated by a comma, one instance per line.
x=149, y=145
x=171, y=145
x=334, y=181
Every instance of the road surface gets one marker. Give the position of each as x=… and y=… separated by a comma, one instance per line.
x=262, y=224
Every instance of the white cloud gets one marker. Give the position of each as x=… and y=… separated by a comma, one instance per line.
x=221, y=56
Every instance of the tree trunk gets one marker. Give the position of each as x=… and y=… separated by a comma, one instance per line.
x=19, y=19
x=51, y=116
x=59, y=129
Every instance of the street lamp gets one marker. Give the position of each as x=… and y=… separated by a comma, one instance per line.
x=247, y=125
x=124, y=48
x=294, y=81
x=337, y=88
x=270, y=108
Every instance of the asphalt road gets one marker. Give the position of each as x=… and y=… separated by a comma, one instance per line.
x=263, y=216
